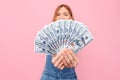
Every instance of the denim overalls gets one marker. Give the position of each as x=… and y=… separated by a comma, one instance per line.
x=52, y=73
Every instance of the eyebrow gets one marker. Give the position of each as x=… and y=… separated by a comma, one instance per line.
x=63, y=12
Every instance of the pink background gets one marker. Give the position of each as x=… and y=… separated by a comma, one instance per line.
x=21, y=19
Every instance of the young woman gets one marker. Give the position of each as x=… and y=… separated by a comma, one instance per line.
x=61, y=66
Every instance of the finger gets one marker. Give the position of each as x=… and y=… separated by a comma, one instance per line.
x=60, y=65
x=56, y=57
x=70, y=57
x=53, y=55
x=56, y=64
x=73, y=55
x=65, y=63
x=67, y=59
x=75, y=59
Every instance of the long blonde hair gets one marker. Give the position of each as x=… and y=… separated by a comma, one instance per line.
x=58, y=8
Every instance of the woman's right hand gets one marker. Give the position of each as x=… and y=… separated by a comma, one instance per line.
x=70, y=59
x=65, y=58
x=57, y=60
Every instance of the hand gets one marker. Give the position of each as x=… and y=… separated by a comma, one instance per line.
x=70, y=59
x=57, y=60
x=65, y=58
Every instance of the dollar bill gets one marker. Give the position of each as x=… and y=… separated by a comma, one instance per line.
x=61, y=34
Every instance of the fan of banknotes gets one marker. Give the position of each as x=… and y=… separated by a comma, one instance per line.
x=62, y=34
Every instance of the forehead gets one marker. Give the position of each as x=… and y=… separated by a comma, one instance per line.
x=63, y=9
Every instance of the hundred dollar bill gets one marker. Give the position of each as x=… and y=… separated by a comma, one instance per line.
x=41, y=45
x=81, y=41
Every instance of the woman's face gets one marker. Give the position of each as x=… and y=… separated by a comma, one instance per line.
x=63, y=13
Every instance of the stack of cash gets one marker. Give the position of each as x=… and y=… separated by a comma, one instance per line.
x=62, y=34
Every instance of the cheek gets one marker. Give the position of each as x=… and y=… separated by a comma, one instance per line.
x=57, y=18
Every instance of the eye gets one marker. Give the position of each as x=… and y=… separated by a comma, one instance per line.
x=65, y=14
x=58, y=14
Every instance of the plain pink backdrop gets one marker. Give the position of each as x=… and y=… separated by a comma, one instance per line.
x=21, y=19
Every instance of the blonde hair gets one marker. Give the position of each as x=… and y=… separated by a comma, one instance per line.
x=58, y=8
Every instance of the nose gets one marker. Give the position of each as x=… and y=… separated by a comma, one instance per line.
x=61, y=17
